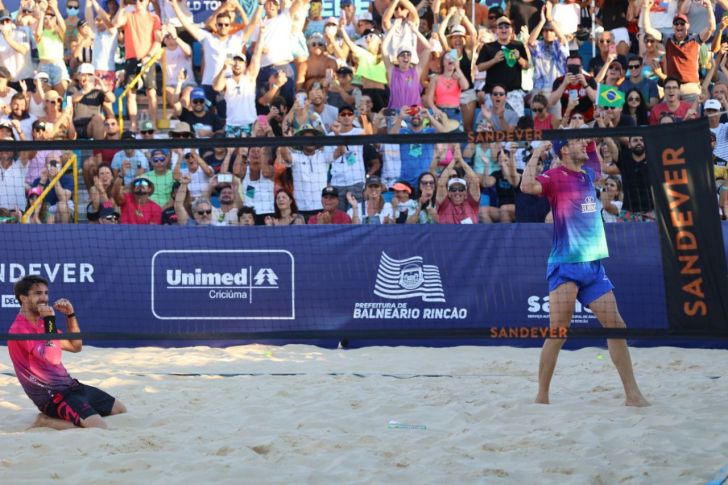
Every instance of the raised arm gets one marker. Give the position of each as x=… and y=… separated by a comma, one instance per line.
x=254, y=21
x=647, y=22
x=254, y=65
x=710, y=28
x=193, y=30
x=529, y=184
x=444, y=179
x=179, y=200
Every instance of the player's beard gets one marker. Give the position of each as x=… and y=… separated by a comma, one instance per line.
x=638, y=150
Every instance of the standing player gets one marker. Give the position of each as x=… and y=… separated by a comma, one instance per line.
x=63, y=401
x=579, y=244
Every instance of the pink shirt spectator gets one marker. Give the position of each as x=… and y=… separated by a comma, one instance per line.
x=37, y=363
x=452, y=214
x=132, y=213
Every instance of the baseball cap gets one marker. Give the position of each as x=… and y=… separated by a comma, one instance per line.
x=456, y=181
x=712, y=104
x=146, y=125
x=4, y=72
x=616, y=63
x=346, y=107
x=330, y=191
x=240, y=55
x=374, y=180
x=365, y=17
x=128, y=135
x=401, y=186
x=41, y=75
x=85, y=68
x=197, y=93
x=346, y=3
x=6, y=124
x=345, y=70
x=402, y=49
x=331, y=20
x=35, y=191
x=371, y=31
x=503, y=20
x=108, y=211
x=5, y=14
x=51, y=95
x=680, y=16
x=558, y=145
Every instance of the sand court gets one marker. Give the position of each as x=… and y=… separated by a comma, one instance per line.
x=326, y=420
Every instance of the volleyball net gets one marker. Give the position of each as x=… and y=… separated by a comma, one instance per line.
x=378, y=281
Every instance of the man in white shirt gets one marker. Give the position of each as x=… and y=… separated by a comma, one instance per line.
x=310, y=166
x=277, y=54
x=238, y=85
x=348, y=173
x=216, y=47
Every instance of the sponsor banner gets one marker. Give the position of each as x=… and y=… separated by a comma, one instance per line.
x=695, y=275
x=163, y=280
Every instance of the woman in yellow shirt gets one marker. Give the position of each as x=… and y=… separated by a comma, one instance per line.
x=49, y=33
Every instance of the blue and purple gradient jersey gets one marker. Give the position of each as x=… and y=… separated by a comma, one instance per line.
x=578, y=228
x=38, y=363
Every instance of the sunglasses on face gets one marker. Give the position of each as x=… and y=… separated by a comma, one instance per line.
x=427, y=182
x=456, y=189
x=615, y=68
x=141, y=182
x=110, y=124
x=158, y=159
x=346, y=114
x=504, y=26
x=679, y=23
x=492, y=17
x=538, y=110
x=50, y=101
x=111, y=217
x=318, y=44
x=635, y=66
x=207, y=212
x=150, y=132
x=198, y=101
x=605, y=41
x=497, y=94
x=223, y=25
x=633, y=98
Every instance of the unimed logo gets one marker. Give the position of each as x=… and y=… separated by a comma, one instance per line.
x=9, y=301
x=223, y=284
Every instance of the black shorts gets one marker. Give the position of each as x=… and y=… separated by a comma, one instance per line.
x=81, y=126
x=79, y=403
x=132, y=68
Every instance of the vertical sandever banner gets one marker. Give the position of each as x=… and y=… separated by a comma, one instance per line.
x=694, y=262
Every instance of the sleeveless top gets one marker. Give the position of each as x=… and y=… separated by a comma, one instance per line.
x=466, y=66
x=51, y=47
x=447, y=92
x=404, y=88
x=542, y=125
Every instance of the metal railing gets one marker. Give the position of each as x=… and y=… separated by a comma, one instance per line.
x=135, y=81
x=51, y=186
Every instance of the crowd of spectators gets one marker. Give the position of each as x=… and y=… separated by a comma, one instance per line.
x=402, y=67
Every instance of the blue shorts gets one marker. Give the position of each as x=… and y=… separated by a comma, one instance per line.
x=590, y=279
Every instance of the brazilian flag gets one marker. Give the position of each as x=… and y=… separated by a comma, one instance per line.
x=609, y=96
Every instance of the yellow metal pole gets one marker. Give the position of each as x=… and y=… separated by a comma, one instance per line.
x=48, y=188
x=75, y=189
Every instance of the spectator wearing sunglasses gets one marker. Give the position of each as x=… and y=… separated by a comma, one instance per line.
x=204, y=123
x=108, y=215
x=314, y=69
x=347, y=170
x=60, y=199
x=549, y=54
x=136, y=207
x=458, y=199
x=201, y=208
x=405, y=26
x=161, y=177
x=682, y=49
x=492, y=59
x=178, y=65
x=606, y=40
x=647, y=87
x=37, y=160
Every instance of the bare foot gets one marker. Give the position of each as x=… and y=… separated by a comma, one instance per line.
x=541, y=399
x=38, y=423
x=637, y=401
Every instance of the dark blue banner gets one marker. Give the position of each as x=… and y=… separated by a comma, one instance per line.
x=170, y=280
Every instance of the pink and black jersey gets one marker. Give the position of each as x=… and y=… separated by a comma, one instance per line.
x=578, y=228
x=38, y=363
